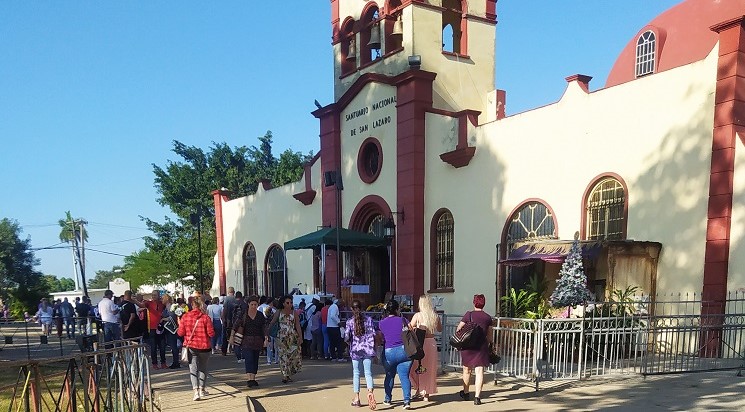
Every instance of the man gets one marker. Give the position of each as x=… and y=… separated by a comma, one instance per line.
x=68, y=316
x=130, y=321
x=155, y=339
x=239, y=309
x=324, y=329
x=108, y=312
x=226, y=317
x=332, y=326
x=82, y=310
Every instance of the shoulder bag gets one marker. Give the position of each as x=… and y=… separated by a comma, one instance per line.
x=412, y=345
x=236, y=335
x=185, y=348
x=470, y=336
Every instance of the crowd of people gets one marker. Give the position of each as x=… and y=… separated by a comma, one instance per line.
x=256, y=326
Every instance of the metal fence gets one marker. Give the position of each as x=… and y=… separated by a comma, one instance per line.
x=26, y=340
x=110, y=380
x=646, y=336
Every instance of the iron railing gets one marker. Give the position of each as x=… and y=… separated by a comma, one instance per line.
x=109, y=380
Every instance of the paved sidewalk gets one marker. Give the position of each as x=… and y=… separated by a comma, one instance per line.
x=325, y=386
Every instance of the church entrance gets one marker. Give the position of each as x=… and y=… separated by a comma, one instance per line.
x=368, y=267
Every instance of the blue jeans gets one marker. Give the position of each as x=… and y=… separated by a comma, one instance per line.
x=326, y=341
x=367, y=364
x=396, y=362
x=217, y=339
x=271, y=351
x=111, y=332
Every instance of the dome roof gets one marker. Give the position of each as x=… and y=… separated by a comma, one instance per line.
x=683, y=36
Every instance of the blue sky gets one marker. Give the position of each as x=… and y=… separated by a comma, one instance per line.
x=93, y=93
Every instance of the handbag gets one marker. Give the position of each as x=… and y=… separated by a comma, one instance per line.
x=412, y=345
x=170, y=325
x=494, y=358
x=185, y=348
x=236, y=336
x=470, y=336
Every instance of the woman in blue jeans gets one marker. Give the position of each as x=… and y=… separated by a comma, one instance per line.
x=395, y=360
x=360, y=334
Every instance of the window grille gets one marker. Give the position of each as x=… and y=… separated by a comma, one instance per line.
x=605, y=206
x=250, y=281
x=445, y=257
x=276, y=271
x=532, y=221
x=376, y=226
x=645, y=54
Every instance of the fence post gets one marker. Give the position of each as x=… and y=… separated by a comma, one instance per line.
x=537, y=335
x=581, y=360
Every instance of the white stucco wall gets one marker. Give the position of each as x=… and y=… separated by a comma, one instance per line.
x=654, y=132
x=736, y=278
x=266, y=218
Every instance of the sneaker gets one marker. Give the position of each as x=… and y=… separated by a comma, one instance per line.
x=204, y=392
x=464, y=395
x=175, y=366
x=196, y=396
x=155, y=366
x=240, y=360
x=477, y=401
x=163, y=366
x=407, y=405
x=387, y=402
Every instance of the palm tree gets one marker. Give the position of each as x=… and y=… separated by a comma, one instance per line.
x=72, y=232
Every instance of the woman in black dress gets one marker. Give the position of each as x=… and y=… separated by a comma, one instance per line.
x=255, y=338
x=478, y=358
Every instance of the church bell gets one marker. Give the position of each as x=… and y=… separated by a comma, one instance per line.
x=398, y=27
x=374, y=42
x=352, y=52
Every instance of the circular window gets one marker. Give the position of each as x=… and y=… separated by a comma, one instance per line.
x=370, y=160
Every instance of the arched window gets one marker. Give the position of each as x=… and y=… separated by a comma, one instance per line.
x=442, y=250
x=605, y=208
x=454, y=26
x=376, y=226
x=275, y=271
x=533, y=220
x=348, y=47
x=370, y=35
x=393, y=41
x=645, y=53
x=250, y=279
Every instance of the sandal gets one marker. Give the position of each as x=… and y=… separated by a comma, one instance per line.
x=425, y=396
x=371, y=401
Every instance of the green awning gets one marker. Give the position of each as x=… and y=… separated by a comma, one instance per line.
x=348, y=239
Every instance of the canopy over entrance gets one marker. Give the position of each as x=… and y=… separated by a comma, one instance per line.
x=348, y=239
x=551, y=251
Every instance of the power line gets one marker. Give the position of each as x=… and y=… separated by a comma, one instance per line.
x=120, y=241
x=121, y=226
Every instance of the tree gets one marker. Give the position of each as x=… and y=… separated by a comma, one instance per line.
x=146, y=267
x=55, y=284
x=185, y=187
x=571, y=288
x=18, y=278
x=103, y=277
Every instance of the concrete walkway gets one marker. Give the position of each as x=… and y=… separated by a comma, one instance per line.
x=325, y=386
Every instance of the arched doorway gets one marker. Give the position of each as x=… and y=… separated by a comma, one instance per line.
x=532, y=220
x=275, y=271
x=250, y=279
x=370, y=266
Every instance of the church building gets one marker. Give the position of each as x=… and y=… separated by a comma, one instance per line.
x=429, y=187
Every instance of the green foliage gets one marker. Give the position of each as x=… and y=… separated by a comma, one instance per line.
x=55, y=284
x=542, y=310
x=103, y=277
x=538, y=284
x=19, y=280
x=185, y=187
x=516, y=304
x=69, y=231
x=623, y=300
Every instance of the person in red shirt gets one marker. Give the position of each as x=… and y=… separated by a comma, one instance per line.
x=156, y=337
x=196, y=329
x=326, y=340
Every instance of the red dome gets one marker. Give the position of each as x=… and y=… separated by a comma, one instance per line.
x=683, y=36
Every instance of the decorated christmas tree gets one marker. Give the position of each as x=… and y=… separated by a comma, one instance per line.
x=571, y=288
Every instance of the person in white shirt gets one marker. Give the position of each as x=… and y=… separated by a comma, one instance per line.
x=332, y=326
x=110, y=316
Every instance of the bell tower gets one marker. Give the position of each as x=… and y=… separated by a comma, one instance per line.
x=453, y=38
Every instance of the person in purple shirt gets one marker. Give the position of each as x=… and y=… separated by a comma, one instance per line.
x=360, y=334
x=395, y=359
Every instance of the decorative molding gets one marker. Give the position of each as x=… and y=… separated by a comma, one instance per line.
x=459, y=157
x=305, y=197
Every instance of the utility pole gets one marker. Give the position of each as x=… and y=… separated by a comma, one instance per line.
x=82, y=256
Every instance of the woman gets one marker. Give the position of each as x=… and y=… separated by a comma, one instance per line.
x=171, y=338
x=289, y=340
x=196, y=329
x=478, y=358
x=395, y=360
x=215, y=312
x=360, y=335
x=424, y=377
x=255, y=338
x=44, y=317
